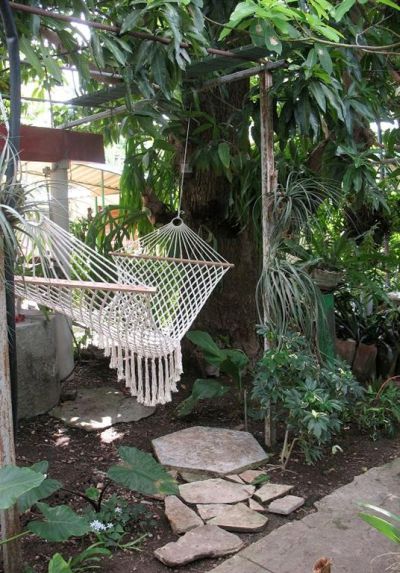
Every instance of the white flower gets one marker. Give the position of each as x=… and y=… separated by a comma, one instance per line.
x=109, y=525
x=118, y=510
x=97, y=526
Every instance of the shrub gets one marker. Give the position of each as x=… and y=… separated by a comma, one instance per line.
x=378, y=414
x=312, y=401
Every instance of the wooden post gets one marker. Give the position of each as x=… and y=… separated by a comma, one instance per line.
x=268, y=184
x=10, y=524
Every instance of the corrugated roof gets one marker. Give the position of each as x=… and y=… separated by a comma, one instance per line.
x=89, y=175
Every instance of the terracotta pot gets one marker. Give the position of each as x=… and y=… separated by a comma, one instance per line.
x=326, y=280
x=364, y=365
x=346, y=349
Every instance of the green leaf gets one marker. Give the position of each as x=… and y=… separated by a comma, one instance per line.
x=58, y=564
x=234, y=364
x=318, y=94
x=272, y=40
x=387, y=529
x=31, y=56
x=131, y=20
x=140, y=472
x=212, y=353
x=46, y=488
x=52, y=66
x=324, y=58
x=389, y=3
x=243, y=10
x=118, y=54
x=91, y=554
x=203, y=389
x=159, y=69
x=60, y=523
x=224, y=154
x=14, y=482
x=342, y=9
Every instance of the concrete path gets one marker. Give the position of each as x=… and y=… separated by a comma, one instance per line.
x=334, y=531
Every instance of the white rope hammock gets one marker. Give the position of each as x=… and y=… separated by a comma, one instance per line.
x=140, y=304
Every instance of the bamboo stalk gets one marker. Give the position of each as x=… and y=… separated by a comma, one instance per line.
x=174, y=260
x=66, y=283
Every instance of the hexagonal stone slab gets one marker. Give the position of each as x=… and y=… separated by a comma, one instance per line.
x=215, y=451
x=99, y=408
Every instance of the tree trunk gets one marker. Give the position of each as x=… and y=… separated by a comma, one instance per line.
x=10, y=525
x=231, y=310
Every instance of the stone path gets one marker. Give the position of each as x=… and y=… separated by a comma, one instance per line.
x=222, y=505
x=334, y=531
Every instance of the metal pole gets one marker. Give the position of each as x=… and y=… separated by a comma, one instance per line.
x=10, y=525
x=268, y=183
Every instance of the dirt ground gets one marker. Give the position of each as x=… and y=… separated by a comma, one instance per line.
x=77, y=458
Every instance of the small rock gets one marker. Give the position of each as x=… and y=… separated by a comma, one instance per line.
x=250, y=475
x=173, y=474
x=205, y=541
x=235, y=478
x=255, y=506
x=180, y=517
x=271, y=491
x=286, y=505
x=240, y=518
x=190, y=477
x=209, y=510
x=215, y=491
x=68, y=395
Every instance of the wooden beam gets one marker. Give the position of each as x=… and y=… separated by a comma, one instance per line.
x=116, y=29
x=53, y=145
x=241, y=74
x=95, y=117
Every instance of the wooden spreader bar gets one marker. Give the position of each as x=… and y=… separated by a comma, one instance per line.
x=174, y=260
x=66, y=283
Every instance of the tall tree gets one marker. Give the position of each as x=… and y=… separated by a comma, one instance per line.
x=341, y=75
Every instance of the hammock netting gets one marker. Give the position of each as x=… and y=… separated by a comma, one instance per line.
x=140, y=304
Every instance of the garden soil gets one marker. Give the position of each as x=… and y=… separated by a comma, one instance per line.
x=79, y=458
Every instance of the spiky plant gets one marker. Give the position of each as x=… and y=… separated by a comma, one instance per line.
x=16, y=202
x=288, y=298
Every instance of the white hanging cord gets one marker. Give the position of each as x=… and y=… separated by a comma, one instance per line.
x=183, y=165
